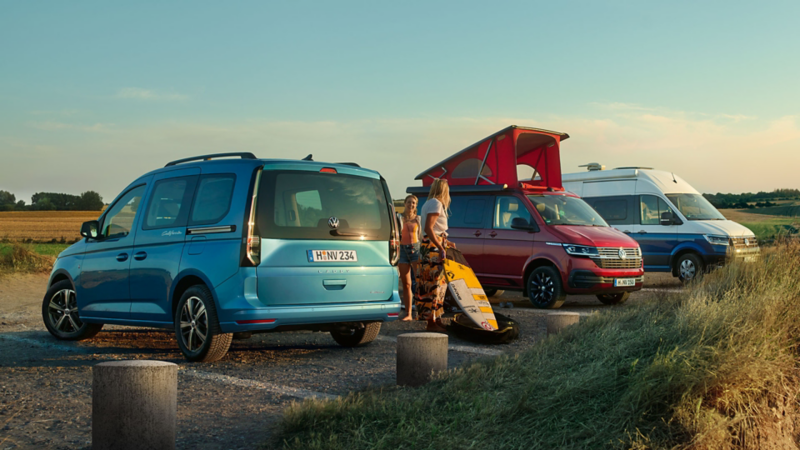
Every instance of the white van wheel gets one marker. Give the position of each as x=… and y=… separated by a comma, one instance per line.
x=689, y=267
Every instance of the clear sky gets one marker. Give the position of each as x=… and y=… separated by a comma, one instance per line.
x=93, y=94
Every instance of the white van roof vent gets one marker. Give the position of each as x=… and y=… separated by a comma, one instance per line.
x=636, y=168
x=591, y=167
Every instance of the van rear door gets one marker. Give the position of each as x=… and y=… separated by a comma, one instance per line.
x=324, y=236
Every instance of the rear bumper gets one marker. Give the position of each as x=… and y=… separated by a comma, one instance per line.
x=268, y=318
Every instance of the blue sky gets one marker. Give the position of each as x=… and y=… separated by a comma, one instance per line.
x=92, y=94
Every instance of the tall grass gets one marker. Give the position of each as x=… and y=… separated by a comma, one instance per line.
x=21, y=258
x=713, y=367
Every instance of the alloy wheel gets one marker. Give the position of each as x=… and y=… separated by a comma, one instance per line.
x=194, y=324
x=542, y=288
x=63, y=312
x=687, y=269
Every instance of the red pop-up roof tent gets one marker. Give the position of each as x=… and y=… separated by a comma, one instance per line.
x=494, y=160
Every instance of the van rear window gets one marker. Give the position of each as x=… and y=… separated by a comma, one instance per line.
x=311, y=205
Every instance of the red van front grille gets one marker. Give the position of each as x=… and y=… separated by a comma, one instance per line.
x=612, y=258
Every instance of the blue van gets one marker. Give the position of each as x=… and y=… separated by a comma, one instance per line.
x=211, y=246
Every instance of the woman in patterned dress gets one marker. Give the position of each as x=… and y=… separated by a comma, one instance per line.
x=431, y=281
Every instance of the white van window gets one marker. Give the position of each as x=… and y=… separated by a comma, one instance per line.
x=695, y=207
x=651, y=208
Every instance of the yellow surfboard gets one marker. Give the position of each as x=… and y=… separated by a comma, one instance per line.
x=468, y=292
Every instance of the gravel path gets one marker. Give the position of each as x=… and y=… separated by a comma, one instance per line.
x=45, y=385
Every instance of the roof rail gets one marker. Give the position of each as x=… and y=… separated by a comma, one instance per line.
x=243, y=155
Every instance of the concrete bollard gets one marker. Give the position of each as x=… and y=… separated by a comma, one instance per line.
x=134, y=405
x=557, y=321
x=419, y=356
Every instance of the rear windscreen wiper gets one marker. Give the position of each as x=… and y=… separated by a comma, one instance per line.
x=350, y=234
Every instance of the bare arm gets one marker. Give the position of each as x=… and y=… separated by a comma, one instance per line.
x=432, y=217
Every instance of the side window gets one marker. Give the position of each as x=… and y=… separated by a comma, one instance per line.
x=118, y=222
x=213, y=199
x=506, y=209
x=169, y=203
x=651, y=208
x=476, y=209
x=467, y=211
x=615, y=210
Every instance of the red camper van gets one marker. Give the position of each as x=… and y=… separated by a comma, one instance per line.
x=530, y=234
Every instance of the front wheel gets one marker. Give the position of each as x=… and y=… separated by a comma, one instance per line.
x=689, y=267
x=545, y=288
x=354, y=337
x=60, y=314
x=197, y=327
x=614, y=299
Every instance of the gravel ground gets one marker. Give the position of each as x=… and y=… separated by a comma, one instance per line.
x=45, y=385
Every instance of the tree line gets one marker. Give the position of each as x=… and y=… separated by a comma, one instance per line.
x=52, y=201
x=751, y=200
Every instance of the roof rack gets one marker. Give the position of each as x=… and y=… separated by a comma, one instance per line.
x=243, y=155
x=423, y=190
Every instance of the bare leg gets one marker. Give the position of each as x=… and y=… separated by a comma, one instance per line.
x=405, y=279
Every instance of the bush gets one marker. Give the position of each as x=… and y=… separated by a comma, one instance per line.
x=715, y=366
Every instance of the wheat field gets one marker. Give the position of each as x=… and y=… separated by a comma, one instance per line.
x=43, y=226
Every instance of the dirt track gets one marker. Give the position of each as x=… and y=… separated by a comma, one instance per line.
x=45, y=385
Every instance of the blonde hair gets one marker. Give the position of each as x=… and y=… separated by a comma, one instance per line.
x=440, y=190
x=409, y=214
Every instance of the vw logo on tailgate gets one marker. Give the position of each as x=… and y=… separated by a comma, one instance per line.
x=333, y=222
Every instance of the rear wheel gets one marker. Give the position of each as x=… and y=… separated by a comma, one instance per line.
x=614, y=299
x=492, y=292
x=197, y=327
x=354, y=337
x=545, y=288
x=689, y=267
x=60, y=314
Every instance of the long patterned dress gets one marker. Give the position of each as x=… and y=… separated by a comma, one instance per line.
x=431, y=281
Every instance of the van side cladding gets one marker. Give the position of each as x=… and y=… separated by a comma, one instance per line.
x=209, y=246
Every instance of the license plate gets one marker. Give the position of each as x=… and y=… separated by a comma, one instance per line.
x=624, y=281
x=749, y=259
x=332, y=256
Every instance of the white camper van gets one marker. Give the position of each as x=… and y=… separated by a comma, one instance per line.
x=678, y=230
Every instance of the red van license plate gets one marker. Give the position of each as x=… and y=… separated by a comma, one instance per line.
x=624, y=281
x=332, y=256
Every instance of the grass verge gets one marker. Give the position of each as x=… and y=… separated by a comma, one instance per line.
x=28, y=258
x=713, y=367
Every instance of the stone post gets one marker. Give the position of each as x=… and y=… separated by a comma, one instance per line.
x=557, y=321
x=419, y=356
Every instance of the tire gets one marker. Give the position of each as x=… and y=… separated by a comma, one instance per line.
x=464, y=328
x=614, y=299
x=197, y=327
x=355, y=337
x=689, y=267
x=61, y=316
x=545, y=289
x=492, y=292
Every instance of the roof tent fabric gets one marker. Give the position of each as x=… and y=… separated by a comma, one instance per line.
x=497, y=158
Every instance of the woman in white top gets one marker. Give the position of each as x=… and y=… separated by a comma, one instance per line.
x=431, y=281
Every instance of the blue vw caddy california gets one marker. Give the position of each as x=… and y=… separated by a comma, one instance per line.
x=228, y=243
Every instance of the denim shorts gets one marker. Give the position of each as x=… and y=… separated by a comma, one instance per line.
x=409, y=253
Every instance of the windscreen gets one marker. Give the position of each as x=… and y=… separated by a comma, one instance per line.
x=695, y=207
x=565, y=210
x=311, y=205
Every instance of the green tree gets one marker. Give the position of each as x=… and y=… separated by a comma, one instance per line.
x=7, y=198
x=90, y=201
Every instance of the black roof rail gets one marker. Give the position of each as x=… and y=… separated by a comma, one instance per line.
x=423, y=190
x=349, y=164
x=243, y=155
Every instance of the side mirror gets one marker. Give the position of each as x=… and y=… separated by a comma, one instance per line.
x=518, y=223
x=90, y=229
x=667, y=218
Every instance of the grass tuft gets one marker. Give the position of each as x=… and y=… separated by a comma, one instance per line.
x=22, y=258
x=715, y=366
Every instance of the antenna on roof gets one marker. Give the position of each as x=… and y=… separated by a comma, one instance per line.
x=591, y=167
x=673, y=178
x=308, y=158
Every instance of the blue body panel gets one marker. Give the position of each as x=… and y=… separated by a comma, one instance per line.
x=286, y=288
x=660, y=250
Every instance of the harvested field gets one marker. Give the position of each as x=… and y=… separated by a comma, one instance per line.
x=43, y=226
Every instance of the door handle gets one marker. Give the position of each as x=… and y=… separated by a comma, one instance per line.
x=478, y=233
x=122, y=257
x=642, y=232
x=140, y=256
x=493, y=234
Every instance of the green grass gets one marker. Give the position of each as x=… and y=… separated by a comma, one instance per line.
x=772, y=228
x=714, y=367
x=28, y=257
x=792, y=210
x=42, y=249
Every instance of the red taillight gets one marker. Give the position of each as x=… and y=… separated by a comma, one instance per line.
x=393, y=315
x=254, y=248
x=328, y=170
x=248, y=322
x=394, y=251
